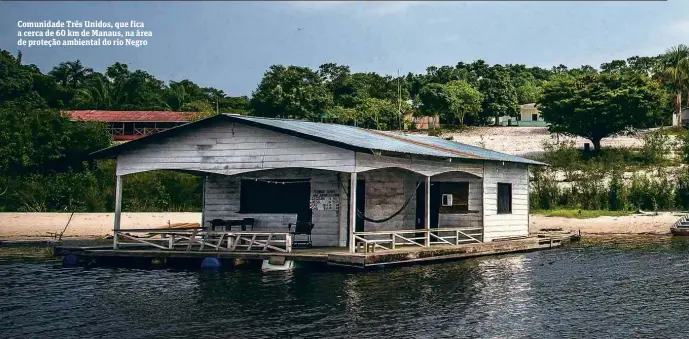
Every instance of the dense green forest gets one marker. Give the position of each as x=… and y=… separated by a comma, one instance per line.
x=44, y=163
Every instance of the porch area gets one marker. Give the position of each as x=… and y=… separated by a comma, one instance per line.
x=281, y=210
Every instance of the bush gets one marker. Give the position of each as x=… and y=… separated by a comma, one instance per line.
x=435, y=132
x=93, y=191
x=684, y=146
x=617, y=193
x=682, y=191
x=544, y=191
x=656, y=146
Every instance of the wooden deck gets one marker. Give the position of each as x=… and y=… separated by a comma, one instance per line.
x=332, y=257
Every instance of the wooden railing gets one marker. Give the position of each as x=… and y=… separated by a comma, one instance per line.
x=147, y=130
x=679, y=221
x=200, y=240
x=390, y=240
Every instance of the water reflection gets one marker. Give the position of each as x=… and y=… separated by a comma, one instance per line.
x=601, y=287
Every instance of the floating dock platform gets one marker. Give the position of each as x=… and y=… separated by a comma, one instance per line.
x=329, y=257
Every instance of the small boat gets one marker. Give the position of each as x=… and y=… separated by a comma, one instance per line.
x=681, y=227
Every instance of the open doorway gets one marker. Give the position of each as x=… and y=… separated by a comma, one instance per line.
x=421, y=205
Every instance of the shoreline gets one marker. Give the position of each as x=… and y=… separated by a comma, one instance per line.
x=94, y=226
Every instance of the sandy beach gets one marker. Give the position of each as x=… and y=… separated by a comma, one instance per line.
x=93, y=225
x=629, y=224
x=84, y=225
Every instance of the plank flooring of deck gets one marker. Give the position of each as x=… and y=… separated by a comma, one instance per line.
x=338, y=256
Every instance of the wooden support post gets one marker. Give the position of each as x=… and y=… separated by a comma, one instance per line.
x=352, y=211
x=118, y=210
x=427, y=214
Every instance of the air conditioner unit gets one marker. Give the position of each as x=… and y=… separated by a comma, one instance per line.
x=447, y=200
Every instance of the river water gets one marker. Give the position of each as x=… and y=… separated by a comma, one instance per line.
x=598, y=288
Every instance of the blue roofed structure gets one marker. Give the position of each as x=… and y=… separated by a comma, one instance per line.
x=364, y=139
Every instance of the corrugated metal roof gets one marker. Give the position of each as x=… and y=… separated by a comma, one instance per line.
x=358, y=139
x=386, y=141
x=130, y=116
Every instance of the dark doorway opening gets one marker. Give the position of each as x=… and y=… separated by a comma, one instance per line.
x=360, y=205
x=421, y=205
x=534, y=117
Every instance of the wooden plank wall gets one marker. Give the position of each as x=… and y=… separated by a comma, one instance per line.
x=505, y=225
x=223, y=193
x=230, y=148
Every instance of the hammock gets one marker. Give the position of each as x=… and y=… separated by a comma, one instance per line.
x=378, y=221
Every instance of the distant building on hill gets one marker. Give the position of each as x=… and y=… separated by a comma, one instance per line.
x=131, y=125
x=529, y=115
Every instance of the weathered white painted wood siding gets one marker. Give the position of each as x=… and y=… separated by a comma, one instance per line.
x=367, y=162
x=231, y=148
x=505, y=225
x=223, y=195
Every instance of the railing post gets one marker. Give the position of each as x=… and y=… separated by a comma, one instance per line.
x=427, y=214
x=352, y=211
x=118, y=210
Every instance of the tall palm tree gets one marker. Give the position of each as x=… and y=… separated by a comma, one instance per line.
x=77, y=72
x=61, y=73
x=675, y=71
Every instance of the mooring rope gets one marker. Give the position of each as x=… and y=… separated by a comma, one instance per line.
x=378, y=221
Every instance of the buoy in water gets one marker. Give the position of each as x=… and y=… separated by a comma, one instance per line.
x=211, y=263
x=70, y=260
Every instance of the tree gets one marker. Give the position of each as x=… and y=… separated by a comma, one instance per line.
x=38, y=139
x=675, y=72
x=451, y=101
x=500, y=96
x=378, y=114
x=598, y=106
x=615, y=66
x=463, y=99
x=77, y=72
x=433, y=99
x=291, y=92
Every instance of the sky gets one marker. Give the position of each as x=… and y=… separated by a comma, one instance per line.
x=229, y=45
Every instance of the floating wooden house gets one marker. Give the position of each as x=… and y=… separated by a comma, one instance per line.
x=359, y=188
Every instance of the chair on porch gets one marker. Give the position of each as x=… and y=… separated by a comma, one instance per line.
x=216, y=223
x=301, y=228
x=249, y=222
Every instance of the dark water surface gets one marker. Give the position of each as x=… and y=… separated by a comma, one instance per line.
x=599, y=288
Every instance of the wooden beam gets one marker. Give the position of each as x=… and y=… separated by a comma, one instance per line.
x=352, y=210
x=427, y=214
x=118, y=209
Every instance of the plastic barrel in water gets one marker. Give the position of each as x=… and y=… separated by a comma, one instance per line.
x=70, y=260
x=211, y=264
